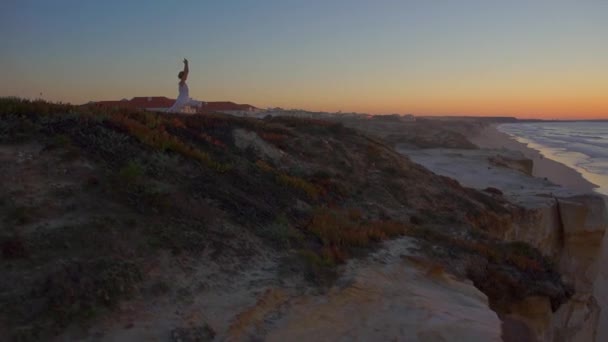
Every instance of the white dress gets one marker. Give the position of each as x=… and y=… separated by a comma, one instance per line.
x=183, y=100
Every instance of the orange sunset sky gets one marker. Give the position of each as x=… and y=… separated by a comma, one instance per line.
x=530, y=59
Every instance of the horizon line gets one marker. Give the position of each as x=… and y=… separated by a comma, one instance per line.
x=567, y=117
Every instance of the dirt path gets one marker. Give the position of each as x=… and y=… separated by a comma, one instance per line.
x=390, y=295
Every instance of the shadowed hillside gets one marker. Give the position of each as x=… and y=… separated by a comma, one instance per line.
x=100, y=207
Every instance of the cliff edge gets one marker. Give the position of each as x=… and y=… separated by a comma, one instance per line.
x=129, y=225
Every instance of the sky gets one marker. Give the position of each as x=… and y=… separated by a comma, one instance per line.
x=524, y=58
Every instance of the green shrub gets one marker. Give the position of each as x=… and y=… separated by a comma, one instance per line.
x=8, y=125
x=191, y=238
x=319, y=269
x=154, y=196
x=345, y=229
x=20, y=215
x=84, y=285
x=62, y=140
x=279, y=233
x=73, y=292
x=131, y=173
x=311, y=190
x=522, y=248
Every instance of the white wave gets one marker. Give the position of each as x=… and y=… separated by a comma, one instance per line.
x=580, y=145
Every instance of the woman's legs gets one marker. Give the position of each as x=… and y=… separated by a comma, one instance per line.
x=194, y=103
x=178, y=106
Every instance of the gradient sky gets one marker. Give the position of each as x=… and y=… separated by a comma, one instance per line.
x=524, y=58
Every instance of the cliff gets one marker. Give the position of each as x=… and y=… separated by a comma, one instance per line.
x=130, y=225
x=568, y=227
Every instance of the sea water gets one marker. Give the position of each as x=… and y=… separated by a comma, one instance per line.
x=581, y=145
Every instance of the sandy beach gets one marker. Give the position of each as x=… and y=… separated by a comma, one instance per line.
x=555, y=172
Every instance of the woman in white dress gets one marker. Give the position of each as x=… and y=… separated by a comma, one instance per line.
x=184, y=100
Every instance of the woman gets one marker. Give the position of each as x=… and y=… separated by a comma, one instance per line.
x=184, y=99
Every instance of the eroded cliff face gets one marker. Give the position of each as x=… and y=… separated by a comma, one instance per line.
x=600, y=291
x=566, y=226
x=570, y=230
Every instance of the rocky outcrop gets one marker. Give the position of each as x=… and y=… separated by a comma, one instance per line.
x=534, y=317
x=244, y=139
x=583, y=223
x=571, y=232
x=577, y=320
x=521, y=164
x=600, y=292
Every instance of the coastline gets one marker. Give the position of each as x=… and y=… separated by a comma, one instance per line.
x=560, y=174
x=490, y=137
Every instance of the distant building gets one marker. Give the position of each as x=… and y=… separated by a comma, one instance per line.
x=161, y=104
x=298, y=113
x=394, y=117
x=408, y=117
x=230, y=108
x=154, y=103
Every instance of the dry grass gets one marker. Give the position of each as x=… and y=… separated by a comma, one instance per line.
x=342, y=230
x=264, y=166
x=277, y=139
x=150, y=130
x=311, y=190
x=516, y=254
x=341, y=234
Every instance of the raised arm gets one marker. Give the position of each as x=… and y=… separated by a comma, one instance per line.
x=186, y=70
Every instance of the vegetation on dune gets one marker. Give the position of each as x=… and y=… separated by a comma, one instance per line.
x=160, y=168
x=342, y=230
x=141, y=182
x=504, y=271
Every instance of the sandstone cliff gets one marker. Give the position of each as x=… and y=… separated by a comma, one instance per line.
x=566, y=226
x=571, y=231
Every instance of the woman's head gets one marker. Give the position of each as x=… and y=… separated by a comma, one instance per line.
x=180, y=75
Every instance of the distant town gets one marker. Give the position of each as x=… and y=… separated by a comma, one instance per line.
x=162, y=103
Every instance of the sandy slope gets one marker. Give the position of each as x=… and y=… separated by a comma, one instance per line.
x=392, y=296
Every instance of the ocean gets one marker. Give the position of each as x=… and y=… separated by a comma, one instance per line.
x=581, y=145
